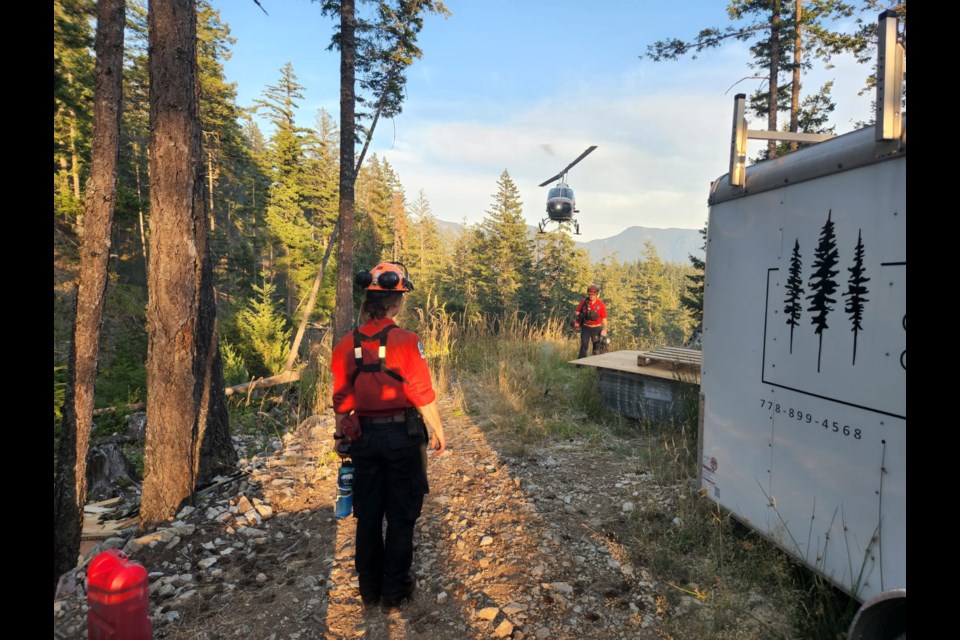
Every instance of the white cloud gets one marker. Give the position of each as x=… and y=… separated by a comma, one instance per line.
x=663, y=134
x=655, y=158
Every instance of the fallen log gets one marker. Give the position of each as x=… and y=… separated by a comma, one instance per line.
x=263, y=383
x=248, y=387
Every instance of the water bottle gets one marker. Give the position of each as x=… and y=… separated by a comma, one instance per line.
x=344, y=490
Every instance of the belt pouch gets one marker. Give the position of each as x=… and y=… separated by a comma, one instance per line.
x=415, y=424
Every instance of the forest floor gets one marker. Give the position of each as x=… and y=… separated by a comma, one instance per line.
x=514, y=542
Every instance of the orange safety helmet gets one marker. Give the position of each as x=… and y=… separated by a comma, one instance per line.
x=386, y=276
x=593, y=289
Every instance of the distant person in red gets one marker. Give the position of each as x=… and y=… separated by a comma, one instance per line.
x=591, y=319
x=380, y=373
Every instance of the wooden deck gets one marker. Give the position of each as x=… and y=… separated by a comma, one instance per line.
x=667, y=363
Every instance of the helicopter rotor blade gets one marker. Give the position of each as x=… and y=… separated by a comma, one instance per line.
x=579, y=158
x=567, y=168
x=549, y=180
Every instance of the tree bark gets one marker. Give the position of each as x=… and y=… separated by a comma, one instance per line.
x=70, y=484
x=185, y=397
x=343, y=315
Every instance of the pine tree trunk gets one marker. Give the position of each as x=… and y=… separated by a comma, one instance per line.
x=143, y=236
x=774, y=73
x=343, y=318
x=213, y=221
x=70, y=485
x=185, y=396
x=795, y=87
x=399, y=228
x=74, y=160
x=64, y=172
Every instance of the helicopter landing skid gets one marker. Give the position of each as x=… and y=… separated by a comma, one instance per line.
x=542, y=225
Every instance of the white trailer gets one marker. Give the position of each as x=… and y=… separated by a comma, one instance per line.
x=803, y=382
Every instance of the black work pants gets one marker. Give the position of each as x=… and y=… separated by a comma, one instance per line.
x=390, y=481
x=588, y=336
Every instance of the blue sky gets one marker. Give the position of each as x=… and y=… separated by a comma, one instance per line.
x=526, y=86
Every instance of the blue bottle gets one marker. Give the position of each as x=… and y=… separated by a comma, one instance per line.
x=344, y=490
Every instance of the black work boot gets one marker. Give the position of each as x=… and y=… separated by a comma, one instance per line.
x=392, y=600
x=369, y=592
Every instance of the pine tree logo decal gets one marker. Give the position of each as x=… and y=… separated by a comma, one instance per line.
x=822, y=285
x=792, y=305
x=856, y=293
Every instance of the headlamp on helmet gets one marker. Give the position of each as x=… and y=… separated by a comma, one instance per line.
x=386, y=276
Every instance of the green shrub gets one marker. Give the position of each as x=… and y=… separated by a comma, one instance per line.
x=264, y=339
x=234, y=369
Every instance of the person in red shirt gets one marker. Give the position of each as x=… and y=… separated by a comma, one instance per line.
x=380, y=374
x=591, y=319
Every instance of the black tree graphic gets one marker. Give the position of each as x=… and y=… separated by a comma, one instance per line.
x=855, y=293
x=822, y=285
x=792, y=305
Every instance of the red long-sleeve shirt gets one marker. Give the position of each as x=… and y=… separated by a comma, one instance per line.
x=598, y=306
x=377, y=393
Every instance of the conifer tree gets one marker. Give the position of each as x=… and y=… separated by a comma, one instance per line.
x=227, y=157
x=73, y=66
x=378, y=195
x=793, y=307
x=503, y=256
x=427, y=256
x=618, y=291
x=321, y=206
x=856, y=293
x=323, y=173
x=133, y=194
x=692, y=297
x=294, y=239
x=254, y=185
x=822, y=284
x=459, y=285
x=263, y=331
x=677, y=324
x=398, y=216
x=558, y=267
x=652, y=296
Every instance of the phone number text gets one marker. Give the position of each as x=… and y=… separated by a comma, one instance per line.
x=807, y=418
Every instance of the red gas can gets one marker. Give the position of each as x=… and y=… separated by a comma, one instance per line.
x=119, y=597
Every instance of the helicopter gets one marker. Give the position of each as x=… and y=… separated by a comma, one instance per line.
x=561, y=204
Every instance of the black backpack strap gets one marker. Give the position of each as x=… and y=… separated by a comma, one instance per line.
x=381, y=364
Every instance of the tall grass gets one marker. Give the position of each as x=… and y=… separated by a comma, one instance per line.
x=516, y=379
x=438, y=334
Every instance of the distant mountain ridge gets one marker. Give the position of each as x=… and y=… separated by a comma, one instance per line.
x=672, y=245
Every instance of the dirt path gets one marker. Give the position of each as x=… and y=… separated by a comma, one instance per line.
x=520, y=547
